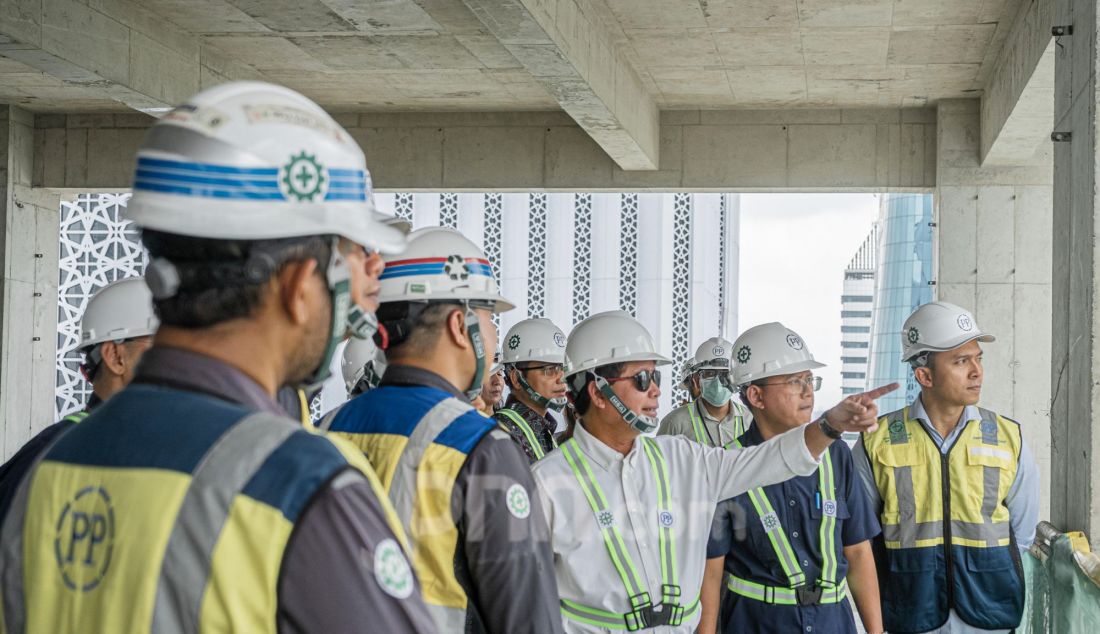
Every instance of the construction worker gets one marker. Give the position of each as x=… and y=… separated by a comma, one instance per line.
x=460, y=485
x=686, y=384
x=713, y=418
x=808, y=539
x=189, y=501
x=115, y=331
x=955, y=486
x=651, y=500
x=493, y=392
x=534, y=358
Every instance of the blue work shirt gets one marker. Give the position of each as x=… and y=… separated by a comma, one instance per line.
x=738, y=535
x=1022, y=499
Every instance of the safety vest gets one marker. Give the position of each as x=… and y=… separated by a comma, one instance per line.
x=700, y=429
x=521, y=423
x=797, y=591
x=164, y=511
x=641, y=613
x=76, y=417
x=945, y=523
x=418, y=438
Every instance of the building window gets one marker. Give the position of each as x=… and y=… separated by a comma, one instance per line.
x=850, y=390
x=854, y=344
x=855, y=314
x=853, y=375
x=855, y=329
x=853, y=359
x=856, y=298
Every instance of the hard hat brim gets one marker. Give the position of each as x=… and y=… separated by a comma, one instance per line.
x=640, y=356
x=980, y=337
x=793, y=368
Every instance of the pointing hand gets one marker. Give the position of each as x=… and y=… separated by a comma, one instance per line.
x=858, y=412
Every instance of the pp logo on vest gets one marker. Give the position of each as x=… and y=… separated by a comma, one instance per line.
x=666, y=519
x=829, y=508
x=85, y=539
x=392, y=570
x=519, y=503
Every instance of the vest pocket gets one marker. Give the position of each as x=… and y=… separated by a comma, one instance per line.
x=900, y=455
x=987, y=456
x=988, y=559
x=906, y=560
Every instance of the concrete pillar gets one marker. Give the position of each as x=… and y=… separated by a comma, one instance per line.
x=1075, y=369
x=28, y=287
x=559, y=259
x=994, y=243
x=705, y=259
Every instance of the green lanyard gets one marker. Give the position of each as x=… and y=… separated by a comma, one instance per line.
x=796, y=578
x=701, y=435
x=642, y=612
x=529, y=433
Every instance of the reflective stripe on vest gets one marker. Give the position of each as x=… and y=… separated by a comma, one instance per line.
x=528, y=433
x=76, y=417
x=782, y=596
x=642, y=611
x=700, y=430
x=769, y=520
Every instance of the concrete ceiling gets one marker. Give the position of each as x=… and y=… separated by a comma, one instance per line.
x=440, y=55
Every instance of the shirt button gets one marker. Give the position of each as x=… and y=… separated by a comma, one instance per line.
x=791, y=503
x=805, y=562
x=809, y=628
x=794, y=534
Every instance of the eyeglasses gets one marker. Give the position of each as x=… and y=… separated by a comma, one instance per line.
x=713, y=374
x=796, y=384
x=642, y=380
x=549, y=370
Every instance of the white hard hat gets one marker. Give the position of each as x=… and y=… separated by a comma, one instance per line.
x=121, y=310
x=440, y=264
x=255, y=161
x=534, y=340
x=686, y=370
x=713, y=354
x=770, y=350
x=362, y=359
x=610, y=337
x=939, y=326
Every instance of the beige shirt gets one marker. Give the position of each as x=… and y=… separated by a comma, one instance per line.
x=699, y=477
x=725, y=431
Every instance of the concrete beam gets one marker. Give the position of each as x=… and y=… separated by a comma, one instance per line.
x=116, y=49
x=708, y=150
x=567, y=48
x=1018, y=102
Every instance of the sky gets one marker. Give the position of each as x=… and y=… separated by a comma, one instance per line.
x=794, y=248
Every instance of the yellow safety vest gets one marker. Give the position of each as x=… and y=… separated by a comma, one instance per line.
x=164, y=511
x=945, y=523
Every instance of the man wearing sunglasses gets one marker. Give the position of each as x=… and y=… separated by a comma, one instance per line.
x=713, y=418
x=650, y=500
x=534, y=354
x=790, y=552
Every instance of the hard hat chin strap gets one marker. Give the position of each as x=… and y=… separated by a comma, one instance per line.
x=473, y=331
x=362, y=324
x=556, y=404
x=644, y=424
x=339, y=286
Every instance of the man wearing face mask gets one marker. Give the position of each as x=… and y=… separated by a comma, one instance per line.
x=713, y=418
x=460, y=485
x=534, y=354
x=651, y=500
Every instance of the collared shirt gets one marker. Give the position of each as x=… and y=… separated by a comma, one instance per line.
x=542, y=426
x=325, y=583
x=720, y=433
x=738, y=535
x=698, y=478
x=1022, y=500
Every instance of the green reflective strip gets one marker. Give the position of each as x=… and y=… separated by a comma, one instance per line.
x=602, y=618
x=777, y=536
x=529, y=433
x=612, y=537
x=669, y=576
x=697, y=423
x=828, y=522
x=780, y=595
x=75, y=417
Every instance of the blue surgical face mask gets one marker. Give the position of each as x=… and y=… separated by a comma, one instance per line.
x=715, y=392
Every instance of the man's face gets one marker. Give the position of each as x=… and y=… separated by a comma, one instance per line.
x=494, y=388
x=365, y=266
x=546, y=379
x=787, y=399
x=955, y=376
x=644, y=403
x=488, y=334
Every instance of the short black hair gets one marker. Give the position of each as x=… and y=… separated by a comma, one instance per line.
x=221, y=280
x=581, y=400
x=413, y=328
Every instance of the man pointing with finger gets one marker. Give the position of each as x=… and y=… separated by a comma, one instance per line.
x=651, y=500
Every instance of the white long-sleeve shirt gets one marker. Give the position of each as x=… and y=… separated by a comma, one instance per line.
x=699, y=477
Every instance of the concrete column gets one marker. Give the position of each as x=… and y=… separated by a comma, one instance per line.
x=28, y=287
x=994, y=243
x=559, y=259
x=705, y=259
x=1075, y=369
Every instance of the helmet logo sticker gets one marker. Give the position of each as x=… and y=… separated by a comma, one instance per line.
x=513, y=342
x=303, y=178
x=392, y=570
x=744, y=354
x=718, y=351
x=519, y=504
x=606, y=519
x=965, y=323
x=794, y=341
x=559, y=340
x=456, y=268
x=913, y=335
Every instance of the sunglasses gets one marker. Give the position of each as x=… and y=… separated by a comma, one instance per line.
x=642, y=380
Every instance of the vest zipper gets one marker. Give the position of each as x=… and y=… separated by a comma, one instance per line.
x=945, y=480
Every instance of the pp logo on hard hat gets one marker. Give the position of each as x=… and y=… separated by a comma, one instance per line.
x=85, y=539
x=913, y=335
x=392, y=570
x=718, y=351
x=744, y=354
x=794, y=341
x=303, y=178
x=559, y=339
x=513, y=342
x=965, y=322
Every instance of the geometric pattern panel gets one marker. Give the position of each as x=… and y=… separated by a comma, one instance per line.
x=448, y=210
x=403, y=206
x=97, y=247
x=628, y=254
x=494, y=209
x=582, y=257
x=723, y=261
x=681, y=282
x=536, y=264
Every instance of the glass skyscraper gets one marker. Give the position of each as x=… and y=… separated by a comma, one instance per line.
x=902, y=282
